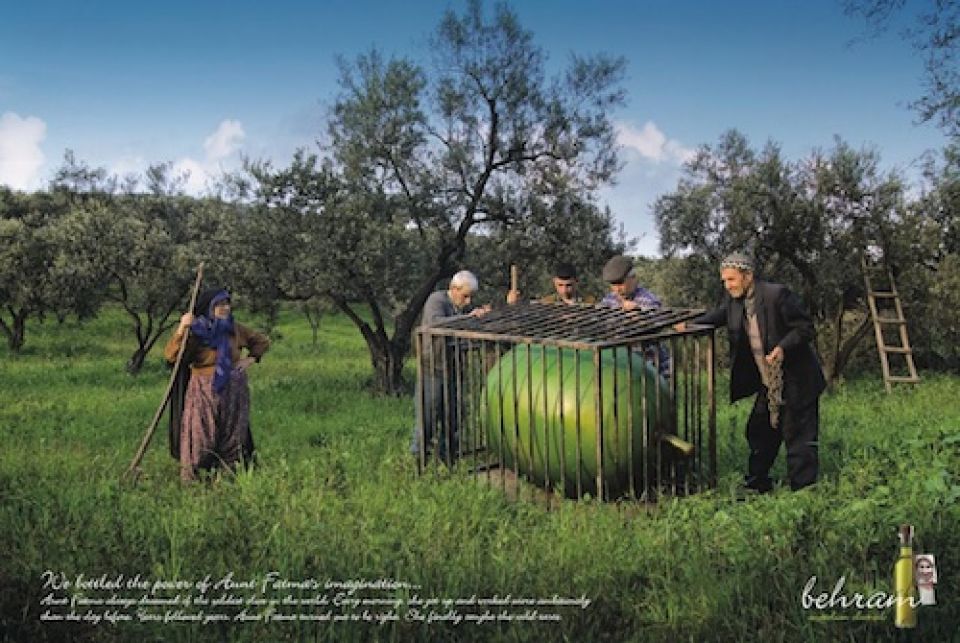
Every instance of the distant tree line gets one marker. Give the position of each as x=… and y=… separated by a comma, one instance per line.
x=91, y=239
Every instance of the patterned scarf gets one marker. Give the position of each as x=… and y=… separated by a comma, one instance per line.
x=750, y=301
x=770, y=374
x=215, y=333
x=774, y=384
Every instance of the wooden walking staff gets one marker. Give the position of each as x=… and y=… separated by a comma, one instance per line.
x=133, y=471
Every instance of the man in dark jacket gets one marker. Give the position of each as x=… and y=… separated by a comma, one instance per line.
x=771, y=355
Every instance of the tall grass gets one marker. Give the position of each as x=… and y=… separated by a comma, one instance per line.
x=335, y=496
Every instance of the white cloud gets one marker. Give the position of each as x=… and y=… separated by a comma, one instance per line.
x=225, y=141
x=652, y=167
x=129, y=165
x=197, y=175
x=678, y=152
x=652, y=144
x=220, y=150
x=631, y=199
x=21, y=158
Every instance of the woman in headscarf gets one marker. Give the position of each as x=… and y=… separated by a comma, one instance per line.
x=210, y=409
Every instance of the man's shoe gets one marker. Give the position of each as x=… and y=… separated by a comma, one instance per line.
x=760, y=485
x=743, y=494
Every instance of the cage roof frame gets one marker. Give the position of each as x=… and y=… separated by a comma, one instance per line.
x=581, y=326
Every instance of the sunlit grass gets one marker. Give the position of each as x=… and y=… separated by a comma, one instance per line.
x=335, y=495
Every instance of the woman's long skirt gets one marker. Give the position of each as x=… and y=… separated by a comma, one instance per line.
x=215, y=430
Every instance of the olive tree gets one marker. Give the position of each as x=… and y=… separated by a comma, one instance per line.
x=422, y=154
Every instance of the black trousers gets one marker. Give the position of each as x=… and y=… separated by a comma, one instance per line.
x=437, y=414
x=799, y=428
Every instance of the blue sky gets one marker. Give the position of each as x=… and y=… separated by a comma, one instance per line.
x=127, y=84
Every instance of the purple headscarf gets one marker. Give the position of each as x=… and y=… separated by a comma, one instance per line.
x=215, y=333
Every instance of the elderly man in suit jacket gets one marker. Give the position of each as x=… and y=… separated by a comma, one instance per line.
x=438, y=391
x=771, y=356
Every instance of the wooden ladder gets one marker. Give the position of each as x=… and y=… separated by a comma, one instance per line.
x=887, y=317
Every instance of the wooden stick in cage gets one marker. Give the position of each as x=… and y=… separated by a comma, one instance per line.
x=678, y=443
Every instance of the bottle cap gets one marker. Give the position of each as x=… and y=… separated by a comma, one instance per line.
x=906, y=534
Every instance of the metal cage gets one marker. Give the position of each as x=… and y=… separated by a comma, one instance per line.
x=582, y=400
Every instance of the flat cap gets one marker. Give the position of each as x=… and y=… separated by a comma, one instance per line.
x=617, y=268
x=565, y=271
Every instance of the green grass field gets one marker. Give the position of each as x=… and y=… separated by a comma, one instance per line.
x=336, y=498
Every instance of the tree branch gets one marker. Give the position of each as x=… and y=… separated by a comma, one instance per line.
x=343, y=305
x=377, y=316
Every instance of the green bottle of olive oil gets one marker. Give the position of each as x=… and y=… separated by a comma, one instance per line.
x=905, y=614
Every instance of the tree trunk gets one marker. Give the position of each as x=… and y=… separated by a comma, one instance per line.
x=19, y=335
x=314, y=320
x=837, y=342
x=271, y=316
x=135, y=363
x=16, y=330
x=387, y=359
x=386, y=355
x=849, y=345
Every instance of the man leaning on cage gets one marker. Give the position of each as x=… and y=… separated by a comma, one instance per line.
x=566, y=287
x=771, y=356
x=437, y=390
x=627, y=293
